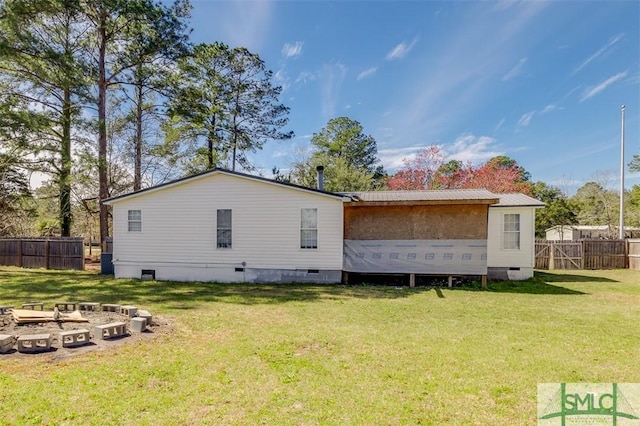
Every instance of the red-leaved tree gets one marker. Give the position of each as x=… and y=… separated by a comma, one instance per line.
x=419, y=172
x=498, y=179
x=454, y=174
x=428, y=170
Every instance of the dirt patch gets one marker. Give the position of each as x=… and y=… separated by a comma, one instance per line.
x=92, y=263
x=158, y=327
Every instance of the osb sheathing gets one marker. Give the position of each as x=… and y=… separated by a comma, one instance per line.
x=416, y=222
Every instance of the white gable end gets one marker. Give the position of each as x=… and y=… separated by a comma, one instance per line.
x=179, y=231
x=516, y=263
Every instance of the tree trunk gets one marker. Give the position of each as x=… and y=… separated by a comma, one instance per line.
x=234, y=149
x=210, y=141
x=137, y=179
x=102, y=128
x=65, y=166
x=234, y=140
x=210, y=152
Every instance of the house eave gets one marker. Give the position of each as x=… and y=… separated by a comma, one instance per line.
x=535, y=206
x=181, y=181
x=358, y=203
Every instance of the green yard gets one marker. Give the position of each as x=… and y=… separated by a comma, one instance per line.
x=300, y=354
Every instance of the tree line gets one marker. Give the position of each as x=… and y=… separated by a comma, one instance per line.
x=108, y=96
x=104, y=97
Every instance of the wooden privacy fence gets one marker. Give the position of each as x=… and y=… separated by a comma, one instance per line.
x=582, y=254
x=49, y=253
x=634, y=253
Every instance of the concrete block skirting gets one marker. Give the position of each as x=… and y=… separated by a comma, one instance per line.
x=6, y=343
x=108, y=331
x=31, y=343
x=138, y=324
x=72, y=338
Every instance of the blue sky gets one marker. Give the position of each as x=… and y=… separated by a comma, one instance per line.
x=541, y=82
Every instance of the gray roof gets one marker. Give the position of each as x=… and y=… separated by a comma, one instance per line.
x=517, y=200
x=215, y=171
x=593, y=227
x=423, y=195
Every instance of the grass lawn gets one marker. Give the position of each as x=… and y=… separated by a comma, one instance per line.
x=301, y=354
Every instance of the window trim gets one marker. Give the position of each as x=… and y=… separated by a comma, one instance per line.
x=313, y=228
x=131, y=221
x=517, y=232
x=219, y=242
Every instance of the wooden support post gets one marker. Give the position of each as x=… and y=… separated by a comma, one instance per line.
x=484, y=282
x=552, y=260
x=20, y=262
x=46, y=254
x=626, y=253
x=345, y=278
x=450, y=282
x=412, y=280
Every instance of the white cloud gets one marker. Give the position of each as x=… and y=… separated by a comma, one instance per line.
x=367, y=73
x=305, y=77
x=515, y=71
x=386, y=132
x=504, y=4
x=331, y=78
x=401, y=50
x=466, y=148
x=246, y=23
x=549, y=108
x=281, y=78
x=280, y=153
x=393, y=158
x=526, y=119
x=594, y=90
x=499, y=125
x=461, y=78
x=599, y=53
x=473, y=149
x=292, y=50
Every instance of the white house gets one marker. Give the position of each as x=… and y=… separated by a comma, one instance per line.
x=587, y=232
x=232, y=227
x=511, y=237
x=228, y=227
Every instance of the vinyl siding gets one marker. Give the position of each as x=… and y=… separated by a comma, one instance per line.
x=499, y=257
x=179, y=226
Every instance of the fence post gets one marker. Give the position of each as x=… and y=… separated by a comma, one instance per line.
x=552, y=257
x=20, y=263
x=626, y=253
x=46, y=254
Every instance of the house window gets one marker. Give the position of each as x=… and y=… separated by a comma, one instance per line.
x=511, y=232
x=134, y=218
x=224, y=228
x=309, y=229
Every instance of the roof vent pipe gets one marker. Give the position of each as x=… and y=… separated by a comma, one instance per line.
x=320, y=170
